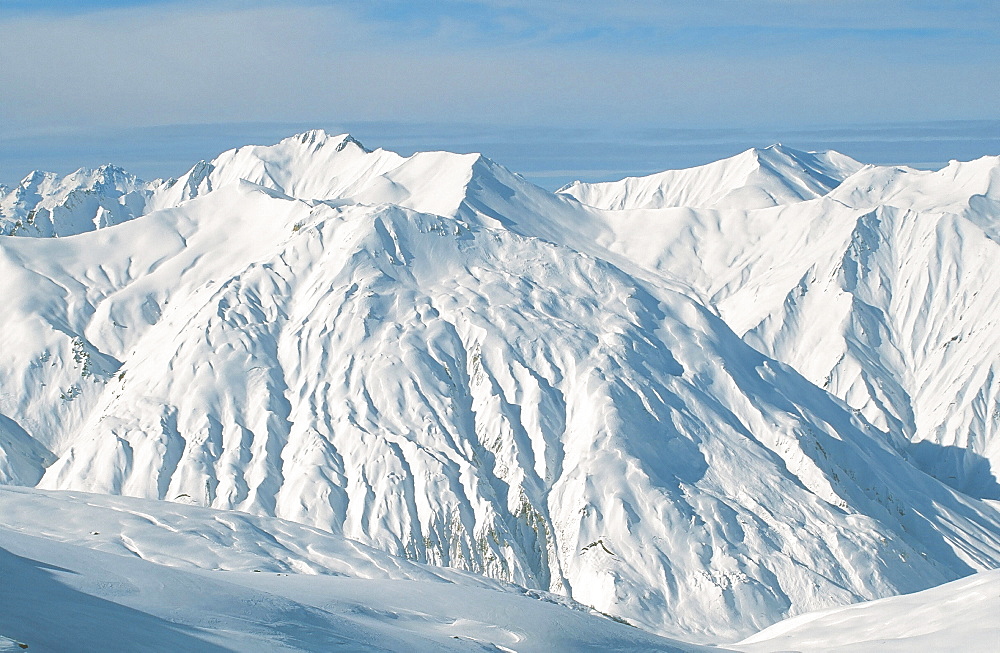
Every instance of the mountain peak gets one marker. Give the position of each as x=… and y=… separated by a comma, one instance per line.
x=319, y=137
x=776, y=150
x=36, y=177
x=435, y=356
x=755, y=178
x=311, y=136
x=350, y=140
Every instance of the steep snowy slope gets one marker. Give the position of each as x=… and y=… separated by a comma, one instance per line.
x=434, y=357
x=914, y=296
x=754, y=179
x=957, y=616
x=77, y=306
x=882, y=292
x=116, y=574
x=22, y=457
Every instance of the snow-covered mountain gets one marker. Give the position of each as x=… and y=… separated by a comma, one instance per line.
x=881, y=292
x=754, y=179
x=45, y=204
x=701, y=416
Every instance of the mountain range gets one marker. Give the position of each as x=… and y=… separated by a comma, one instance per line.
x=700, y=401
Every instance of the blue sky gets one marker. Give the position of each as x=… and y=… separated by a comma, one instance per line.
x=85, y=68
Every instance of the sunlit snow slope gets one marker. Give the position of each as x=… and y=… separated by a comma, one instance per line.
x=441, y=360
x=957, y=616
x=755, y=179
x=883, y=291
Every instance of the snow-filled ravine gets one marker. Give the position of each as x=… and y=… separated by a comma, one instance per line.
x=700, y=402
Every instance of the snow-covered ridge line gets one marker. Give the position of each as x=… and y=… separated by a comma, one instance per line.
x=756, y=178
x=45, y=204
x=700, y=420
x=310, y=166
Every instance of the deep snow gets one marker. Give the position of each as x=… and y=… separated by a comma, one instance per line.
x=957, y=616
x=122, y=574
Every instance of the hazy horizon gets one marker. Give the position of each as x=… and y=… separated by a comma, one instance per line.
x=594, y=90
x=548, y=156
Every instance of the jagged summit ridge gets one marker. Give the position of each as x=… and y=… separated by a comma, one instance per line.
x=45, y=204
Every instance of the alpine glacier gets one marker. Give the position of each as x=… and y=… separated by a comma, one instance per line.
x=700, y=401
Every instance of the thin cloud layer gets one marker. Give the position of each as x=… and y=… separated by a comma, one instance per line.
x=665, y=63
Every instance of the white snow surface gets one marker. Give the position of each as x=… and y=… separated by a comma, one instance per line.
x=702, y=411
x=957, y=616
x=882, y=292
x=754, y=179
x=86, y=573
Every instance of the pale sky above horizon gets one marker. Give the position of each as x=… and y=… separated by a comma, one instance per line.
x=88, y=67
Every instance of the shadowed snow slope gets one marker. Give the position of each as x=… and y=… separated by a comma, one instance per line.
x=436, y=358
x=116, y=574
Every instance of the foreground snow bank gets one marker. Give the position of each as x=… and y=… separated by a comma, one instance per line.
x=956, y=616
x=61, y=593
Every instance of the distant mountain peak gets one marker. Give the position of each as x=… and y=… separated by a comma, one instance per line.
x=754, y=178
x=318, y=138
x=311, y=137
x=350, y=140
x=36, y=177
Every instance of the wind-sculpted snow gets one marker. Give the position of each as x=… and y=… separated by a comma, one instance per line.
x=436, y=358
x=86, y=572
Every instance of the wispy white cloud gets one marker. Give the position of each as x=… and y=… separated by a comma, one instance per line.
x=669, y=62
